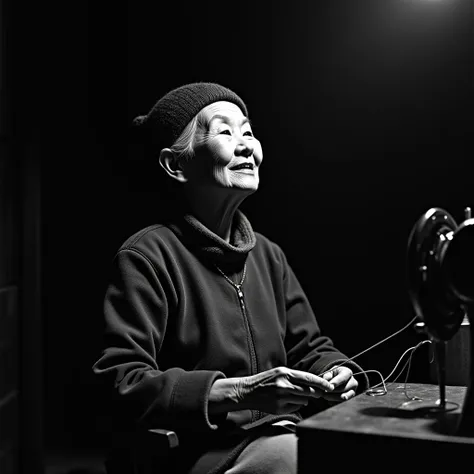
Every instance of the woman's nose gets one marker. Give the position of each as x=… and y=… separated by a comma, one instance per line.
x=244, y=148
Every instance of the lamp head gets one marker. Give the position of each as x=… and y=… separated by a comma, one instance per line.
x=441, y=271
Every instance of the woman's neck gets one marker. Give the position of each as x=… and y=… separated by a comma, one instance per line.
x=216, y=212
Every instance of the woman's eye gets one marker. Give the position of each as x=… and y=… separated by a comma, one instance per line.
x=225, y=132
x=248, y=134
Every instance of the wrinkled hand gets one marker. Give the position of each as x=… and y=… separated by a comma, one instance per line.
x=278, y=390
x=345, y=385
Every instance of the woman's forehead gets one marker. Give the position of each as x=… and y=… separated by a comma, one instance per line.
x=222, y=111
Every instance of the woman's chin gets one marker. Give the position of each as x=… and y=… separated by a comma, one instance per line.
x=245, y=189
x=249, y=185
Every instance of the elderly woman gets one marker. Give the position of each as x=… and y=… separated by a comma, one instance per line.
x=208, y=332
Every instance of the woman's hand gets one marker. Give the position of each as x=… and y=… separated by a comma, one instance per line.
x=279, y=390
x=345, y=385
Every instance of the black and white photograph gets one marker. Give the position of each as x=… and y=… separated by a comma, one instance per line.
x=236, y=237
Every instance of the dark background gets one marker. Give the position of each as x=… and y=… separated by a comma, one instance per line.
x=364, y=112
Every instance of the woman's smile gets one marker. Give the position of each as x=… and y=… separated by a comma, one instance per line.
x=244, y=171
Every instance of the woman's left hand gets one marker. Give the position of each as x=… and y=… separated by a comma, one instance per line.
x=345, y=385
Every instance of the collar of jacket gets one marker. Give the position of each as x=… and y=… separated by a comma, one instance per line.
x=198, y=237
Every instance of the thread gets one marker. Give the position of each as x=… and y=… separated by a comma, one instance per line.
x=371, y=347
x=372, y=390
x=383, y=392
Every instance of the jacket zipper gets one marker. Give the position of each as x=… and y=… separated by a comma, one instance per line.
x=255, y=414
x=250, y=340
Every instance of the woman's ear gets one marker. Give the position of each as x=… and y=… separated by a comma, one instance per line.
x=170, y=163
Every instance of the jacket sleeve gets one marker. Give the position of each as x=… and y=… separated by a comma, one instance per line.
x=138, y=303
x=306, y=347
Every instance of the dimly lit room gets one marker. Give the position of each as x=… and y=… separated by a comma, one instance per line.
x=129, y=344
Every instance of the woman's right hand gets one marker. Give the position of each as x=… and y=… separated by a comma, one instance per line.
x=278, y=390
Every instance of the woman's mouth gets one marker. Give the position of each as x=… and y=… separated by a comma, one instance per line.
x=248, y=167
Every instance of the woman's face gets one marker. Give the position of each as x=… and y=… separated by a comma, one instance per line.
x=227, y=154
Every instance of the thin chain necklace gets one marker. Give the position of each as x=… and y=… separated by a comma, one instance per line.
x=237, y=286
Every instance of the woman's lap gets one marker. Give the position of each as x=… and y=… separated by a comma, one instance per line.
x=269, y=454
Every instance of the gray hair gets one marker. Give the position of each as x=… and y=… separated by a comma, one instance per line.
x=183, y=147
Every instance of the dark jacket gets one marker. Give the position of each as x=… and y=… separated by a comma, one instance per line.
x=175, y=324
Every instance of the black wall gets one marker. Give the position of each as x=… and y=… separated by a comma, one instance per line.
x=364, y=111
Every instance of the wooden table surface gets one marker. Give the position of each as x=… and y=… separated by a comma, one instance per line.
x=389, y=425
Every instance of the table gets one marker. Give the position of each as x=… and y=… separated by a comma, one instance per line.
x=380, y=432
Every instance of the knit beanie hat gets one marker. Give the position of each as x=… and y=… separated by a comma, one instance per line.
x=169, y=116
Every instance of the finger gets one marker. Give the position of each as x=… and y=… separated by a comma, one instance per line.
x=305, y=378
x=306, y=391
x=352, y=384
x=339, y=397
x=348, y=395
x=284, y=387
x=328, y=375
x=342, y=377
